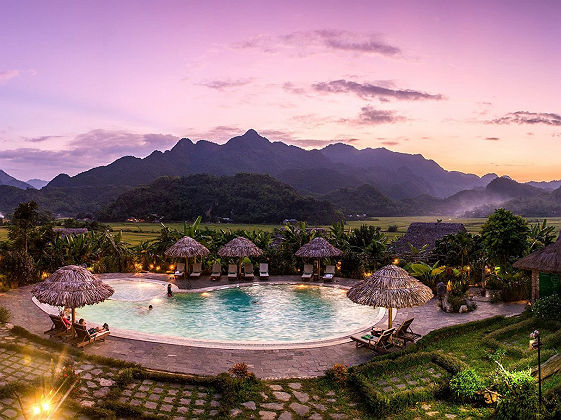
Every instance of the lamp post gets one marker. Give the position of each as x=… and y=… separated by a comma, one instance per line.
x=536, y=344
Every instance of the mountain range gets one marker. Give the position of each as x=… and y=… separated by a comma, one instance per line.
x=375, y=182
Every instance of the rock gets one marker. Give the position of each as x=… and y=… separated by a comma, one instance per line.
x=472, y=306
x=267, y=415
x=315, y=416
x=101, y=393
x=300, y=409
x=463, y=309
x=301, y=396
x=106, y=382
x=86, y=403
x=273, y=406
x=235, y=412
x=275, y=387
x=249, y=405
x=295, y=385
x=282, y=396
x=285, y=416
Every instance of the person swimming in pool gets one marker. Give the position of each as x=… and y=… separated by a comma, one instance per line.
x=170, y=293
x=150, y=307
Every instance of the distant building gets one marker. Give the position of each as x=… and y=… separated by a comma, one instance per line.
x=420, y=234
x=291, y=221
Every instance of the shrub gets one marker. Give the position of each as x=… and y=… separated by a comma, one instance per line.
x=392, y=228
x=519, y=395
x=547, y=308
x=240, y=370
x=125, y=377
x=338, y=373
x=4, y=314
x=19, y=268
x=465, y=385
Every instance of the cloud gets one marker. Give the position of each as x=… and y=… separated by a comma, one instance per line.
x=85, y=151
x=371, y=116
x=492, y=138
x=292, y=88
x=390, y=143
x=526, y=117
x=41, y=138
x=313, y=42
x=367, y=90
x=8, y=74
x=225, y=84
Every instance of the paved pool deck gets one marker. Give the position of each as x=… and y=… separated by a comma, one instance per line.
x=265, y=363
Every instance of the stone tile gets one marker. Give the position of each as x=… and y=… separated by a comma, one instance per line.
x=168, y=399
x=143, y=388
x=300, y=409
x=275, y=387
x=267, y=415
x=151, y=405
x=401, y=386
x=272, y=406
x=166, y=408
x=199, y=402
x=140, y=395
x=135, y=402
x=285, y=415
x=295, y=385
x=153, y=397
x=250, y=405
x=387, y=389
x=301, y=396
x=282, y=396
x=157, y=390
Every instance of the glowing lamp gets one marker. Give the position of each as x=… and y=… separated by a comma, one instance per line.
x=36, y=410
x=205, y=294
x=396, y=261
x=151, y=266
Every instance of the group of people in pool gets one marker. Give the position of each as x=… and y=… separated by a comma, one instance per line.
x=170, y=294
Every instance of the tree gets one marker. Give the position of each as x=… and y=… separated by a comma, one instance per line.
x=504, y=236
x=540, y=236
x=24, y=220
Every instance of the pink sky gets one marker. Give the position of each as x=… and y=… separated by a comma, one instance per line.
x=471, y=84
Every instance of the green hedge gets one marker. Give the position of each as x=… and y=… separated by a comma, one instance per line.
x=382, y=404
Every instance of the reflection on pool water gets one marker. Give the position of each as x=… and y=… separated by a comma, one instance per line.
x=259, y=313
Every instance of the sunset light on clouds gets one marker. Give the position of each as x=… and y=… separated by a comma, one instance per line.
x=472, y=85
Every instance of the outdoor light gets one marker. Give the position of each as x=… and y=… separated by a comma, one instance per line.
x=158, y=268
x=45, y=406
x=151, y=266
x=535, y=343
x=36, y=410
x=396, y=261
x=171, y=267
x=205, y=294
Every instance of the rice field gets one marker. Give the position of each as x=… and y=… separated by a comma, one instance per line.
x=134, y=233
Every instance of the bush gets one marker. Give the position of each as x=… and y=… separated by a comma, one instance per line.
x=392, y=228
x=19, y=268
x=125, y=377
x=519, y=395
x=465, y=385
x=338, y=374
x=547, y=308
x=240, y=370
x=4, y=314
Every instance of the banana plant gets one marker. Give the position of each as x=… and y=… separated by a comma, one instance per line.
x=540, y=236
x=427, y=273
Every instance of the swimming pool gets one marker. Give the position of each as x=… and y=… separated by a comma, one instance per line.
x=261, y=313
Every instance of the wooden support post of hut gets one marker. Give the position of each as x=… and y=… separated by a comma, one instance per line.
x=545, y=266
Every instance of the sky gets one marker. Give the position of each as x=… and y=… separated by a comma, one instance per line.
x=473, y=85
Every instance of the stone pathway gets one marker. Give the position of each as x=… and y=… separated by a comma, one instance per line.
x=267, y=363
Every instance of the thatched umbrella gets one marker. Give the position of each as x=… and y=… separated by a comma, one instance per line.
x=187, y=248
x=318, y=248
x=240, y=247
x=390, y=287
x=547, y=260
x=73, y=287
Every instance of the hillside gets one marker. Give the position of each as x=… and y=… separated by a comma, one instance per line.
x=6, y=179
x=397, y=175
x=243, y=198
x=364, y=199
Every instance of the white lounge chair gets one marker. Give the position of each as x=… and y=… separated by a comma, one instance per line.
x=248, y=271
x=329, y=273
x=196, y=270
x=232, y=271
x=179, y=270
x=216, y=271
x=308, y=272
x=264, y=271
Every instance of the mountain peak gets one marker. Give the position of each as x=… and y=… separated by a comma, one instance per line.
x=249, y=138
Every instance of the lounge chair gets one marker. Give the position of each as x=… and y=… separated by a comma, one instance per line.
x=59, y=327
x=402, y=334
x=83, y=336
x=232, y=271
x=216, y=271
x=329, y=273
x=308, y=272
x=179, y=270
x=248, y=271
x=264, y=271
x=380, y=344
x=196, y=270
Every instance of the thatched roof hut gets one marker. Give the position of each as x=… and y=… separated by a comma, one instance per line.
x=187, y=247
x=72, y=286
x=420, y=234
x=545, y=263
x=318, y=248
x=240, y=247
x=547, y=260
x=390, y=287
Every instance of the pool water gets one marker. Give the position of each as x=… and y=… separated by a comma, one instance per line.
x=256, y=313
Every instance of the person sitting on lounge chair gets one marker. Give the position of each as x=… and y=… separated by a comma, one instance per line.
x=65, y=320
